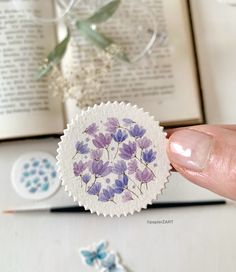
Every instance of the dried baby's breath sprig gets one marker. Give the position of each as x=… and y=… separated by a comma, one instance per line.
x=82, y=82
x=87, y=30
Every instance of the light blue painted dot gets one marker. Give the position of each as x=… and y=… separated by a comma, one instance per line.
x=28, y=183
x=108, y=180
x=45, y=187
x=26, y=174
x=48, y=165
x=45, y=160
x=33, y=172
x=26, y=166
x=35, y=163
x=32, y=190
x=45, y=179
x=36, y=180
x=53, y=174
x=41, y=172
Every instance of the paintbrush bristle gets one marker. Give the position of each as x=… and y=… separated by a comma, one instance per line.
x=8, y=211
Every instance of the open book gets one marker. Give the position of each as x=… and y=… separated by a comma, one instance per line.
x=169, y=91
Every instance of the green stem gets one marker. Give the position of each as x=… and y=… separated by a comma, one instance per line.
x=74, y=155
x=135, y=185
x=117, y=151
x=108, y=155
x=131, y=192
x=92, y=184
x=146, y=165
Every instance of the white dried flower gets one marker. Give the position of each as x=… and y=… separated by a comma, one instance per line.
x=82, y=82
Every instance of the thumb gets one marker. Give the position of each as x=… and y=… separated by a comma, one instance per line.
x=206, y=155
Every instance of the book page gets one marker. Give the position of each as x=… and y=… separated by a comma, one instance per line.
x=164, y=83
x=214, y=25
x=27, y=108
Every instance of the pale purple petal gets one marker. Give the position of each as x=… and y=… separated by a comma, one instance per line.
x=132, y=167
x=127, y=196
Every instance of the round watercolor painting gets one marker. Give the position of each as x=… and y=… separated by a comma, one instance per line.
x=34, y=176
x=112, y=159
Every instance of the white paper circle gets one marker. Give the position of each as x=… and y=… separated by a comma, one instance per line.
x=112, y=159
x=34, y=176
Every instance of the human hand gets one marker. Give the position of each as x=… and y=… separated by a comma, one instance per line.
x=206, y=155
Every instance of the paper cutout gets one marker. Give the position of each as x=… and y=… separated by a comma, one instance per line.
x=112, y=159
x=34, y=176
x=101, y=258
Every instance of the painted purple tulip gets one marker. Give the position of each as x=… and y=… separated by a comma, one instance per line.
x=121, y=184
x=127, y=122
x=106, y=194
x=144, y=176
x=86, y=178
x=78, y=168
x=127, y=196
x=96, y=155
x=81, y=148
x=120, y=136
x=132, y=167
x=149, y=156
x=101, y=140
x=100, y=169
x=92, y=129
x=112, y=124
x=137, y=131
x=119, y=168
x=127, y=151
x=95, y=189
x=144, y=143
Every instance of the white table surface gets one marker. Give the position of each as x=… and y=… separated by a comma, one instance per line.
x=200, y=239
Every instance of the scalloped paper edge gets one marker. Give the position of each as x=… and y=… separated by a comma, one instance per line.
x=58, y=157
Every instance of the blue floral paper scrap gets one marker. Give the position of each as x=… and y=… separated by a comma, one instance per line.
x=112, y=159
x=101, y=258
x=34, y=175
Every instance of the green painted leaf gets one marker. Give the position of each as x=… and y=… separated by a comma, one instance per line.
x=104, y=13
x=54, y=57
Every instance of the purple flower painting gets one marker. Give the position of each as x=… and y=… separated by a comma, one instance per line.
x=79, y=168
x=107, y=194
x=98, y=168
x=112, y=124
x=128, y=151
x=144, y=143
x=114, y=159
x=95, y=189
x=92, y=129
x=96, y=154
x=120, y=136
x=137, y=132
x=102, y=141
x=149, y=156
x=119, y=168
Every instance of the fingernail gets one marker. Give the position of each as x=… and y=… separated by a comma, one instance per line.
x=190, y=149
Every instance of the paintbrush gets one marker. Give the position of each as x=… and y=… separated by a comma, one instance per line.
x=78, y=209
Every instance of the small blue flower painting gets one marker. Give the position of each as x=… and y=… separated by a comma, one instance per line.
x=35, y=177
